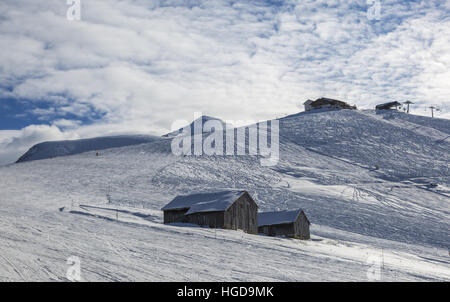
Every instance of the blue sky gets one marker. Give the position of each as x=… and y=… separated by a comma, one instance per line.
x=135, y=66
x=19, y=113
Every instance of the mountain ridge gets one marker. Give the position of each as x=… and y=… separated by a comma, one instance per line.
x=52, y=149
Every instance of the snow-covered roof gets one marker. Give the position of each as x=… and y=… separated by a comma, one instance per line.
x=204, y=202
x=279, y=217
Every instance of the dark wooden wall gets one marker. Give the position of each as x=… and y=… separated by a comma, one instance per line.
x=298, y=229
x=209, y=219
x=301, y=226
x=242, y=215
x=174, y=215
x=286, y=229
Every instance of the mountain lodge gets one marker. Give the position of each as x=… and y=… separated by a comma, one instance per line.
x=388, y=106
x=326, y=103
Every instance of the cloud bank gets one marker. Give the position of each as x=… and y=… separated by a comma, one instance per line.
x=136, y=66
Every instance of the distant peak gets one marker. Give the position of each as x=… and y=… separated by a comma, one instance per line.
x=203, y=119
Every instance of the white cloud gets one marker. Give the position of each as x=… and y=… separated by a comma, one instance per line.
x=15, y=143
x=7, y=135
x=143, y=64
x=66, y=124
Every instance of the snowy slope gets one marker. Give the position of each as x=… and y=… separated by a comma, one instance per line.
x=435, y=123
x=371, y=141
x=56, y=208
x=70, y=147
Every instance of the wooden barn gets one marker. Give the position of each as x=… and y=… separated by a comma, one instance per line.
x=326, y=103
x=388, y=106
x=230, y=209
x=293, y=224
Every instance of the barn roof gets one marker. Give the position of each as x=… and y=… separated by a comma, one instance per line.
x=328, y=100
x=204, y=202
x=279, y=217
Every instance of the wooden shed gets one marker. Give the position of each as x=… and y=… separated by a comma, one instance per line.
x=231, y=209
x=293, y=224
x=388, y=106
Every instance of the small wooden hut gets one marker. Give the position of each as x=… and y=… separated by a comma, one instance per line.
x=293, y=224
x=388, y=106
x=231, y=209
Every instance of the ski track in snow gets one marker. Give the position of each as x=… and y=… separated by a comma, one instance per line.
x=360, y=177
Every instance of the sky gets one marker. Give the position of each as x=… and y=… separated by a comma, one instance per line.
x=135, y=66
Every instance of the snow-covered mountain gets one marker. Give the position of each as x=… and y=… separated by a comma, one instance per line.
x=70, y=147
x=374, y=186
x=201, y=121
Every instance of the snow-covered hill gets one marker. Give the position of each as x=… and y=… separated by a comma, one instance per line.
x=202, y=120
x=70, y=147
x=374, y=186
